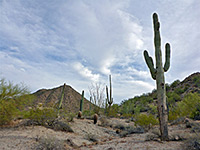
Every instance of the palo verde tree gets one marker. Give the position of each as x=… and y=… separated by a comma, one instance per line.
x=158, y=75
x=13, y=99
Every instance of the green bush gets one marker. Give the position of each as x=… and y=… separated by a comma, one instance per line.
x=70, y=117
x=175, y=84
x=127, y=115
x=189, y=106
x=172, y=98
x=153, y=109
x=88, y=113
x=173, y=115
x=113, y=111
x=13, y=99
x=145, y=120
x=179, y=91
x=41, y=115
x=196, y=81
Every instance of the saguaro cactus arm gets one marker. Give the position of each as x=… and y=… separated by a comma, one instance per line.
x=149, y=62
x=167, y=57
x=107, y=95
x=111, y=99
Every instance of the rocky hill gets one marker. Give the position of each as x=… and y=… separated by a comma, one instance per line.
x=189, y=84
x=71, y=99
x=176, y=92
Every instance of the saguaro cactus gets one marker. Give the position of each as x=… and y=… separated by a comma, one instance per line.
x=61, y=99
x=81, y=101
x=109, y=99
x=158, y=75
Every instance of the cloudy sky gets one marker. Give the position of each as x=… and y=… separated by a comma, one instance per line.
x=45, y=43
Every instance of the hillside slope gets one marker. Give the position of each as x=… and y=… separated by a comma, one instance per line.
x=71, y=99
x=176, y=92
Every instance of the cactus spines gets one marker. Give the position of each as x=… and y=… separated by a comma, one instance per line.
x=158, y=75
x=109, y=98
x=81, y=102
x=95, y=118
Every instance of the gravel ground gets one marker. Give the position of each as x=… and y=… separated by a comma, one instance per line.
x=86, y=136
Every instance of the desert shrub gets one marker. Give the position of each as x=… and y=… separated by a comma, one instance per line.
x=70, y=116
x=88, y=113
x=196, y=81
x=13, y=99
x=127, y=115
x=167, y=86
x=137, y=104
x=41, y=115
x=50, y=143
x=186, y=88
x=179, y=91
x=174, y=84
x=189, y=106
x=104, y=121
x=172, y=98
x=66, y=115
x=91, y=137
x=173, y=115
x=127, y=107
x=113, y=111
x=192, y=143
x=153, y=109
x=145, y=120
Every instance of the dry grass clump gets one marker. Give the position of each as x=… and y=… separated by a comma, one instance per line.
x=91, y=137
x=192, y=143
x=104, y=122
x=50, y=143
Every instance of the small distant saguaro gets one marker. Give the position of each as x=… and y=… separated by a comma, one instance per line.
x=61, y=99
x=109, y=98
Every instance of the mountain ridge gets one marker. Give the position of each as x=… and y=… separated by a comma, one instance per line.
x=71, y=98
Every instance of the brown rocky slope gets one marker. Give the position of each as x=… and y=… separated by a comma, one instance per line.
x=71, y=99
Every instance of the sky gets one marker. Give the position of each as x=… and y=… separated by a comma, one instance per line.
x=46, y=43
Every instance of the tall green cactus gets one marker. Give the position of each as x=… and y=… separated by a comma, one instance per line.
x=61, y=99
x=90, y=103
x=158, y=75
x=109, y=98
x=81, y=101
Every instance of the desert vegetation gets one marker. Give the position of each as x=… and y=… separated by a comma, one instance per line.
x=137, y=115
x=65, y=113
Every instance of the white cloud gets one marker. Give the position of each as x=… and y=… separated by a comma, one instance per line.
x=85, y=72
